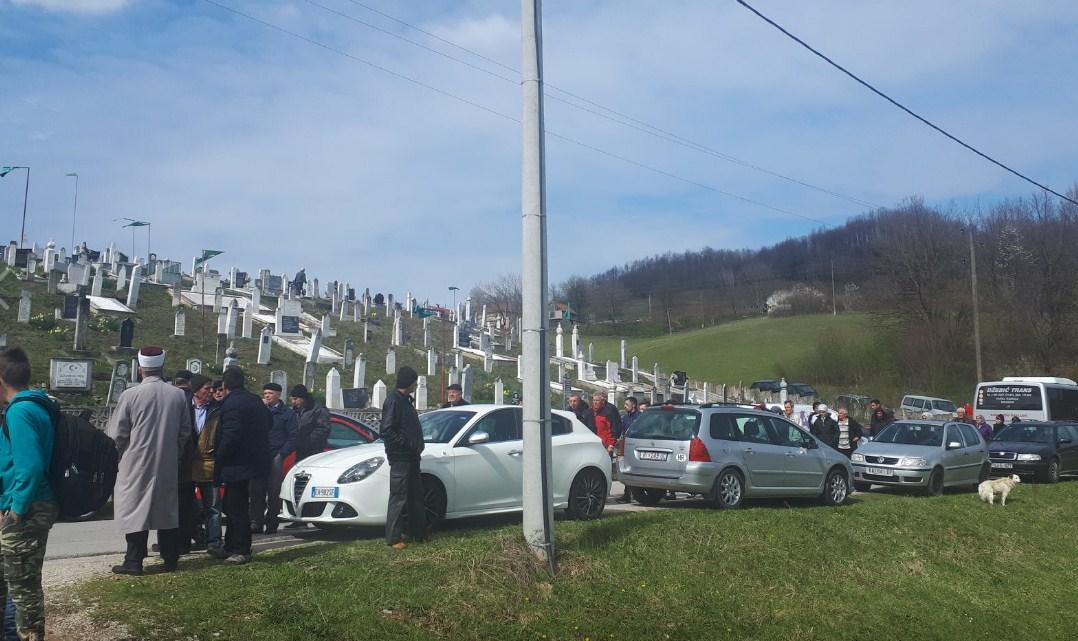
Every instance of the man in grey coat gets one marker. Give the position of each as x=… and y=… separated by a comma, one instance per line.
x=150, y=425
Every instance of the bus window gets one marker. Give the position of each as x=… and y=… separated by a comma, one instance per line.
x=1009, y=398
x=1062, y=403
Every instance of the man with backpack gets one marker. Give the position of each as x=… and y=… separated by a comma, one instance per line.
x=28, y=504
x=151, y=425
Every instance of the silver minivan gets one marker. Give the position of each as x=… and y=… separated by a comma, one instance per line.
x=728, y=453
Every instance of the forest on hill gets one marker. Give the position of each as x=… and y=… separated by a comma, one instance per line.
x=908, y=266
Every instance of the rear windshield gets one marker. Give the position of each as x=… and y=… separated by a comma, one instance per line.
x=1025, y=434
x=1009, y=398
x=946, y=406
x=666, y=425
x=912, y=434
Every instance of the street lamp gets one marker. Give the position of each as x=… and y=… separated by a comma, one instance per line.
x=4, y=171
x=75, y=208
x=132, y=223
x=454, y=288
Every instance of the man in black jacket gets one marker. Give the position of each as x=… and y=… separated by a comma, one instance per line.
x=266, y=490
x=313, y=420
x=241, y=453
x=454, y=396
x=403, y=438
x=824, y=427
x=881, y=417
x=583, y=412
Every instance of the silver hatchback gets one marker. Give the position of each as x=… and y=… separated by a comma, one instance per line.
x=924, y=455
x=728, y=453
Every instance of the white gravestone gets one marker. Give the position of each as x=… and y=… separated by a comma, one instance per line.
x=248, y=320
x=121, y=278
x=378, y=396
x=132, y=289
x=181, y=322
x=359, y=374
x=623, y=362
x=327, y=326
x=421, y=393
x=391, y=361
x=559, y=342
x=265, y=346
x=99, y=279
x=499, y=392
x=334, y=400
x=432, y=363
x=467, y=382
x=426, y=332
x=636, y=370
x=232, y=321
x=24, y=306
x=575, y=342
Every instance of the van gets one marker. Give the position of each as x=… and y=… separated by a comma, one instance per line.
x=914, y=406
x=1030, y=398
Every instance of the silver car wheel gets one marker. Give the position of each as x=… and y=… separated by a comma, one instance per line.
x=838, y=489
x=730, y=489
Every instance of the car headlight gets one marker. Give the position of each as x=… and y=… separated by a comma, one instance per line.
x=912, y=461
x=1029, y=457
x=360, y=471
x=857, y=458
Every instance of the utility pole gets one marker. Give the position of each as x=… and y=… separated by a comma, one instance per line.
x=538, y=503
x=834, y=301
x=74, y=207
x=976, y=310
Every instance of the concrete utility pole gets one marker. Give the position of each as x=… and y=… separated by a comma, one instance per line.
x=976, y=310
x=834, y=301
x=538, y=503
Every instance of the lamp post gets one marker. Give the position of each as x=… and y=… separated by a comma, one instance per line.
x=75, y=208
x=4, y=171
x=454, y=288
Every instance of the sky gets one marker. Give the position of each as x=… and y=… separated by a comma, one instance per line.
x=341, y=148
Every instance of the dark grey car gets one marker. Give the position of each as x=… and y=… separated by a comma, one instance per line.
x=729, y=453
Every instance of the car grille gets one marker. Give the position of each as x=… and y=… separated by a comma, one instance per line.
x=1004, y=456
x=314, y=508
x=299, y=483
x=880, y=460
x=891, y=479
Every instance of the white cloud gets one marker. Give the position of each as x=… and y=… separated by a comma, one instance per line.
x=75, y=6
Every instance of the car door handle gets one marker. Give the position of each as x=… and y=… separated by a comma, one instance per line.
x=515, y=452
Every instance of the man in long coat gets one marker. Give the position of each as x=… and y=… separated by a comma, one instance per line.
x=151, y=424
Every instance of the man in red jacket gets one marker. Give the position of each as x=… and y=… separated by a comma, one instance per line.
x=607, y=420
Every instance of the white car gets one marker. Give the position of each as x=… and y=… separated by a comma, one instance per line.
x=472, y=465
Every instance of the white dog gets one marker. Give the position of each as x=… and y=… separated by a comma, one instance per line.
x=988, y=489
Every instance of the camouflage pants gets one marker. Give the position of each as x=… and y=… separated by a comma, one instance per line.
x=22, y=546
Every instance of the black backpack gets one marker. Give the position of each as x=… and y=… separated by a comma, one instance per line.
x=84, y=462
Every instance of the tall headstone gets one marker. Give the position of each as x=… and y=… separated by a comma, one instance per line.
x=309, y=370
x=121, y=278
x=655, y=374
x=349, y=353
x=390, y=307
x=24, y=306
x=315, y=292
x=132, y=289
x=575, y=342
x=315, y=347
x=559, y=342
x=397, y=336
x=346, y=313
x=426, y=332
x=520, y=369
x=359, y=372
x=327, y=326
x=334, y=400
x=81, y=320
x=391, y=361
x=232, y=321
x=218, y=299
x=612, y=375
x=623, y=361
x=256, y=300
x=468, y=308
x=54, y=280
x=180, y=324
x=366, y=332
x=591, y=352
x=265, y=346
x=248, y=320
x=636, y=370
x=483, y=318
x=378, y=395
x=177, y=295
x=488, y=362
x=454, y=376
x=222, y=321
x=127, y=333
x=432, y=363
x=334, y=304
x=499, y=392
x=99, y=280
x=467, y=382
x=458, y=360
x=421, y=393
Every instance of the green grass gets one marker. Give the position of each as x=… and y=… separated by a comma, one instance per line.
x=884, y=566
x=744, y=350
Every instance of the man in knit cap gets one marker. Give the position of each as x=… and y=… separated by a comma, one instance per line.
x=403, y=438
x=151, y=424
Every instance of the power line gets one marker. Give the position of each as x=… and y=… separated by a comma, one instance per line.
x=495, y=112
x=900, y=105
x=612, y=115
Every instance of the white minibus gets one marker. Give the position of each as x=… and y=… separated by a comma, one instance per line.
x=1030, y=398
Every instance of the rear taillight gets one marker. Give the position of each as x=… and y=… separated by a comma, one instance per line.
x=698, y=451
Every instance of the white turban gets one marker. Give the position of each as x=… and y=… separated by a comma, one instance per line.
x=151, y=357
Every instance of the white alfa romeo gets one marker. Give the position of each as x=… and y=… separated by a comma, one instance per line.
x=472, y=465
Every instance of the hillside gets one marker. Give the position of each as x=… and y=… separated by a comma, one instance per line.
x=743, y=350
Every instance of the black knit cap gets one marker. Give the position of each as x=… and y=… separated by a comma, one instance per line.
x=299, y=391
x=406, y=376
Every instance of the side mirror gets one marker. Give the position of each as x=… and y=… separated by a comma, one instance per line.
x=1065, y=439
x=954, y=445
x=478, y=438
x=810, y=444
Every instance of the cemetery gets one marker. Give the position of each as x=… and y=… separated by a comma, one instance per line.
x=86, y=315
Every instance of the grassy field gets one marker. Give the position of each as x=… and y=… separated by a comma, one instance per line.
x=884, y=566
x=744, y=350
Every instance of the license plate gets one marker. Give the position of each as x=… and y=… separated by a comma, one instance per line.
x=1005, y=466
x=653, y=456
x=324, y=492
x=881, y=471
